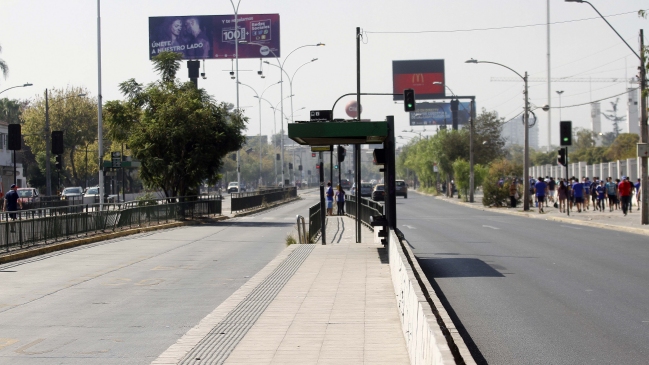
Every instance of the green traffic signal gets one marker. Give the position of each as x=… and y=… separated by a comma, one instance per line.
x=336, y=167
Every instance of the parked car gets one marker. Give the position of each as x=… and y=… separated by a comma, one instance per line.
x=27, y=195
x=233, y=187
x=345, y=184
x=72, y=193
x=401, y=189
x=379, y=192
x=92, y=196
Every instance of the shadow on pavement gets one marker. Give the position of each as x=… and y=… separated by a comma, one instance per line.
x=457, y=268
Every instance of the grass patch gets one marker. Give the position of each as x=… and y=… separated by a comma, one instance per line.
x=290, y=239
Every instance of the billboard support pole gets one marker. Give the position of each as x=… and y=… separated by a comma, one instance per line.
x=357, y=148
x=100, y=128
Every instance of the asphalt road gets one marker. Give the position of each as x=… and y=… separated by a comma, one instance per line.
x=126, y=301
x=528, y=291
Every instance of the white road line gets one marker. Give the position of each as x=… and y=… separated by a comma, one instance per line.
x=409, y=227
x=570, y=227
x=492, y=227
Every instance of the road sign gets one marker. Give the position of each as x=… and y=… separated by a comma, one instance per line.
x=321, y=148
x=320, y=115
x=643, y=151
x=116, y=158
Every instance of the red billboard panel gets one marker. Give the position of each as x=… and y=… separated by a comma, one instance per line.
x=419, y=75
x=215, y=36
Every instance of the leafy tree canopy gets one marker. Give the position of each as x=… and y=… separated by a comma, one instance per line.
x=178, y=132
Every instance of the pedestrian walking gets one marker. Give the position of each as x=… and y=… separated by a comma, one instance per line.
x=340, y=200
x=562, y=192
x=624, y=189
x=578, y=194
x=638, y=192
x=330, y=199
x=601, y=196
x=12, y=203
x=611, y=193
x=552, y=190
x=513, y=193
x=540, y=190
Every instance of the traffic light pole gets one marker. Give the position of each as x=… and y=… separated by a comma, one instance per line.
x=568, y=200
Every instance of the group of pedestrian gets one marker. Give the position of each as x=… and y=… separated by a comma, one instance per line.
x=338, y=196
x=578, y=195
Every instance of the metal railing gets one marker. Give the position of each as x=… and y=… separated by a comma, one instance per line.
x=301, y=231
x=30, y=229
x=315, y=225
x=368, y=208
x=255, y=199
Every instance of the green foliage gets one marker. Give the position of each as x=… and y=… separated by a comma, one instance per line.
x=178, y=133
x=488, y=143
x=462, y=175
x=624, y=146
x=290, y=239
x=495, y=195
x=76, y=116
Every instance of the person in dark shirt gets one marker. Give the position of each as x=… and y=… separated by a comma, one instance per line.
x=578, y=194
x=11, y=202
x=540, y=189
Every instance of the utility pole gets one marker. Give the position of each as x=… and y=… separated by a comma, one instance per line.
x=48, y=146
x=644, y=132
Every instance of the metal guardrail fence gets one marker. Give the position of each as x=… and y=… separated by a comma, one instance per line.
x=255, y=199
x=315, y=225
x=368, y=208
x=30, y=229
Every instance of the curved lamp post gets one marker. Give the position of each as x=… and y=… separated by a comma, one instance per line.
x=290, y=79
x=13, y=87
x=259, y=97
x=281, y=78
x=526, y=117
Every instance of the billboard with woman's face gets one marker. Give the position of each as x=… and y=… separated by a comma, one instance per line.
x=215, y=36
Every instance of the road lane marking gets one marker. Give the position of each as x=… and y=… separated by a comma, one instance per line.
x=570, y=227
x=409, y=227
x=4, y=342
x=492, y=227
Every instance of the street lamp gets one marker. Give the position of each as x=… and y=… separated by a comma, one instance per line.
x=281, y=78
x=644, y=129
x=526, y=116
x=48, y=169
x=290, y=79
x=259, y=97
x=559, y=92
x=13, y=87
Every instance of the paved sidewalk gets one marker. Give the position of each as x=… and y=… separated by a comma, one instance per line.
x=611, y=220
x=338, y=307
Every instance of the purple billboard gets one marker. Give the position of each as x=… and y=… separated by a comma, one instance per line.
x=214, y=36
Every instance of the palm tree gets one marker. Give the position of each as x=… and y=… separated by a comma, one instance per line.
x=3, y=66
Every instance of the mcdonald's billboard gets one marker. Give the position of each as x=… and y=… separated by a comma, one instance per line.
x=418, y=75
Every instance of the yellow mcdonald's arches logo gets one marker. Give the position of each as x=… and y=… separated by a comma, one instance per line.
x=417, y=78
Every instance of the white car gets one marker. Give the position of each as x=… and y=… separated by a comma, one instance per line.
x=233, y=187
x=92, y=196
x=72, y=193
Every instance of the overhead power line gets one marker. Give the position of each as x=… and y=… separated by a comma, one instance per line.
x=498, y=28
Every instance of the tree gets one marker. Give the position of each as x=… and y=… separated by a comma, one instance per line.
x=178, y=132
x=494, y=193
x=3, y=66
x=462, y=174
x=489, y=143
x=624, y=146
x=74, y=115
x=613, y=117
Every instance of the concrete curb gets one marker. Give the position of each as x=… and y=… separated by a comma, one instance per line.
x=555, y=219
x=29, y=253
x=243, y=214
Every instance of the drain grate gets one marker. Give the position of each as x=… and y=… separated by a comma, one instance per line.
x=217, y=345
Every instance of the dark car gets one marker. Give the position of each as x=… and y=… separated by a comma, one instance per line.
x=401, y=189
x=379, y=192
x=345, y=184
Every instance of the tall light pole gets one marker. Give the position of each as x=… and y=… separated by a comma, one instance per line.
x=559, y=92
x=281, y=78
x=290, y=79
x=644, y=129
x=13, y=87
x=235, y=9
x=526, y=117
x=259, y=97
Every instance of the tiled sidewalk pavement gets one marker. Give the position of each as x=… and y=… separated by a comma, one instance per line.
x=338, y=308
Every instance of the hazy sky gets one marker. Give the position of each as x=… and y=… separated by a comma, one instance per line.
x=54, y=44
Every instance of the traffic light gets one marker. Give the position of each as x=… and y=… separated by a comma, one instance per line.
x=565, y=132
x=342, y=152
x=312, y=154
x=561, y=159
x=13, y=138
x=308, y=172
x=299, y=167
x=317, y=166
x=335, y=167
x=57, y=142
x=454, y=116
x=59, y=162
x=277, y=157
x=290, y=166
x=409, y=100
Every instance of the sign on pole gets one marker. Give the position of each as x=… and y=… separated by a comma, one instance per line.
x=116, y=158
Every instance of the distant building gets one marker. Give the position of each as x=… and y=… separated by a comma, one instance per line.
x=632, y=111
x=514, y=133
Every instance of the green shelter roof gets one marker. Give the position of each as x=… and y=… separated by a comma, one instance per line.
x=331, y=133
